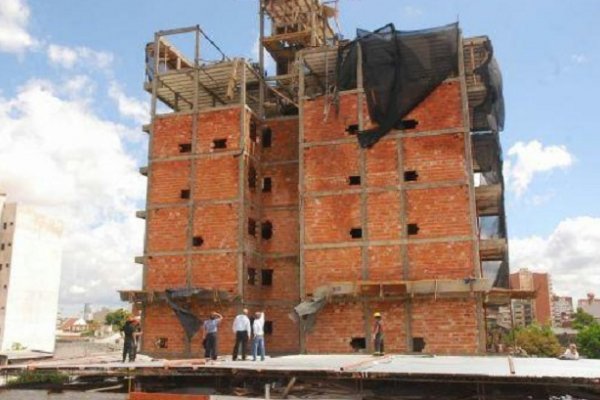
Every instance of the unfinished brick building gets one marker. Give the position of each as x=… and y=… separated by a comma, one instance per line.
x=261, y=196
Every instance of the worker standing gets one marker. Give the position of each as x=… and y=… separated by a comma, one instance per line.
x=210, y=335
x=129, y=332
x=258, y=326
x=378, y=334
x=242, y=330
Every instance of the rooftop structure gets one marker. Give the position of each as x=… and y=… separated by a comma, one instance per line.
x=338, y=187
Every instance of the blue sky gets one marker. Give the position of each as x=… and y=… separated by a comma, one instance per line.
x=85, y=60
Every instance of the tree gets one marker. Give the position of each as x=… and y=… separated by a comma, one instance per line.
x=581, y=319
x=116, y=318
x=536, y=341
x=588, y=341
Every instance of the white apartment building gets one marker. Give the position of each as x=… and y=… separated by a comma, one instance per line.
x=30, y=266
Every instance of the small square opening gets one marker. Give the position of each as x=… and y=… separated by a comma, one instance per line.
x=352, y=129
x=252, y=178
x=356, y=233
x=267, y=230
x=267, y=137
x=197, y=241
x=266, y=186
x=251, y=227
x=354, y=180
x=185, y=194
x=268, y=328
x=162, y=343
x=266, y=277
x=185, y=147
x=418, y=344
x=413, y=229
x=220, y=144
x=410, y=176
x=358, y=343
x=407, y=124
x=252, y=276
x=253, y=135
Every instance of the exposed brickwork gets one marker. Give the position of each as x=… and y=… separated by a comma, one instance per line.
x=329, y=218
x=331, y=265
x=167, y=229
x=328, y=167
x=436, y=158
x=447, y=325
x=437, y=201
x=168, y=179
x=440, y=212
x=451, y=260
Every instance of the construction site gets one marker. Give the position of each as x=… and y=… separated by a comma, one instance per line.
x=360, y=176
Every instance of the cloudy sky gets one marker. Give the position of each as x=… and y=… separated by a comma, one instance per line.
x=71, y=107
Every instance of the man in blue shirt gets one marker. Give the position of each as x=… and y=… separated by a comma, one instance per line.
x=210, y=335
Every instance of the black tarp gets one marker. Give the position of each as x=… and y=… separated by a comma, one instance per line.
x=190, y=323
x=400, y=69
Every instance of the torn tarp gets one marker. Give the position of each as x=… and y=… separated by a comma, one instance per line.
x=190, y=323
x=400, y=69
x=307, y=311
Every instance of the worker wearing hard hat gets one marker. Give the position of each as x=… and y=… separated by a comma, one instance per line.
x=378, y=334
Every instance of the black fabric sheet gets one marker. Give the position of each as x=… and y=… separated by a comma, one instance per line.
x=400, y=69
x=190, y=323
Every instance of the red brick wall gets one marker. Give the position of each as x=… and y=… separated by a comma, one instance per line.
x=331, y=265
x=335, y=327
x=317, y=128
x=447, y=325
x=167, y=229
x=165, y=272
x=329, y=218
x=167, y=180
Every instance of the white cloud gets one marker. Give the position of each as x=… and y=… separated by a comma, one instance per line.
x=14, y=16
x=129, y=107
x=579, y=58
x=525, y=160
x=58, y=154
x=412, y=11
x=570, y=254
x=69, y=57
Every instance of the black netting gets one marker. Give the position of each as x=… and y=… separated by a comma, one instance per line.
x=400, y=69
x=190, y=323
x=493, y=105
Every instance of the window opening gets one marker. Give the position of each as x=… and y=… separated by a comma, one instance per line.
x=266, y=187
x=267, y=230
x=410, y=176
x=354, y=180
x=356, y=233
x=266, y=277
x=185, y=147
x=251, y=227
x=251, y=276
x=198, y=241
x=267, y=137
x=220, y=144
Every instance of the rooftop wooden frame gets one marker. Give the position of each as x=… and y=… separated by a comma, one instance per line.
x=179, y=80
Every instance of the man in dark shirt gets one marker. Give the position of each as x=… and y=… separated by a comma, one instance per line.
x=130, y=332
x=378, y=334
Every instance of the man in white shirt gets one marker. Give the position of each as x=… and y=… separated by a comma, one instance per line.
x=258, y=345
x=241, y=328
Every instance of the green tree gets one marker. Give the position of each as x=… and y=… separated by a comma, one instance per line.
x=581, y=319
x=116, y=318
x=536, y=341
x=588, y=341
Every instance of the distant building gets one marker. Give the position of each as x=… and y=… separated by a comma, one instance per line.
x=562, y=310
x=539, y=310
x=88, y=313
x=74, y=325
x=591, y=305
x=30, y=265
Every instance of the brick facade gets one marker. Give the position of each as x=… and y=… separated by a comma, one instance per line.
x=323, y=210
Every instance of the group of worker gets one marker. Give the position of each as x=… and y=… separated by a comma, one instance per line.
x=243, y=330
